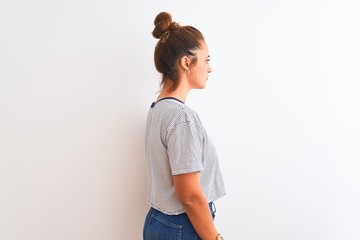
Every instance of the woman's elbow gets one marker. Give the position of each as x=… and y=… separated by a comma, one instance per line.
x=189, y=200
x=188, y=189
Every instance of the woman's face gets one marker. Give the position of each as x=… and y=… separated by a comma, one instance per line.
x=199, y=72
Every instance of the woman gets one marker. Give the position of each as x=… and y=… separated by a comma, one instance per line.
x=183, y=171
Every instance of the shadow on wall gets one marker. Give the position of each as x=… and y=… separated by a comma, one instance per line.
x=132, y=178
x=132, y=122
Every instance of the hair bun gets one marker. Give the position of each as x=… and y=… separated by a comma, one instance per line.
x=163, y=23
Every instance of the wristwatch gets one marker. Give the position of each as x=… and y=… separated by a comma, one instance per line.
x=219, y=237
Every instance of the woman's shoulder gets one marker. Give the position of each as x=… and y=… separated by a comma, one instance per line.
x=175, y=112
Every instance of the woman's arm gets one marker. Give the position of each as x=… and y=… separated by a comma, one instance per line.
x=188, y=191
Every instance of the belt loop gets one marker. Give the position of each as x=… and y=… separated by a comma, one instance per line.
x=212, y=207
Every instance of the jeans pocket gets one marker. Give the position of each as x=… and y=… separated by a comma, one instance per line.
x=161, y=229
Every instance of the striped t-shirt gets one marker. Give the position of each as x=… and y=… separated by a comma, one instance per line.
x=177, y=143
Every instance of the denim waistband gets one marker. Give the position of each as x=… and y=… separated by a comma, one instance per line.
x=161, y=224
x=182, y=215
x=212, y=207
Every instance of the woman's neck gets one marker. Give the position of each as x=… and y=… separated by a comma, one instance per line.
x=180, y=93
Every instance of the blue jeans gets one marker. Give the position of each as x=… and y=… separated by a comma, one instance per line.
x=160, y=226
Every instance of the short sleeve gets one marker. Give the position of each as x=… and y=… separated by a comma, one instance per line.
x=185, y=148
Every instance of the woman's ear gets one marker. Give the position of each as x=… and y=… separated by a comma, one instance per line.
x=185, y=63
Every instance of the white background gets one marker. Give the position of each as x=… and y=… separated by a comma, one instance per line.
x=281, y=106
